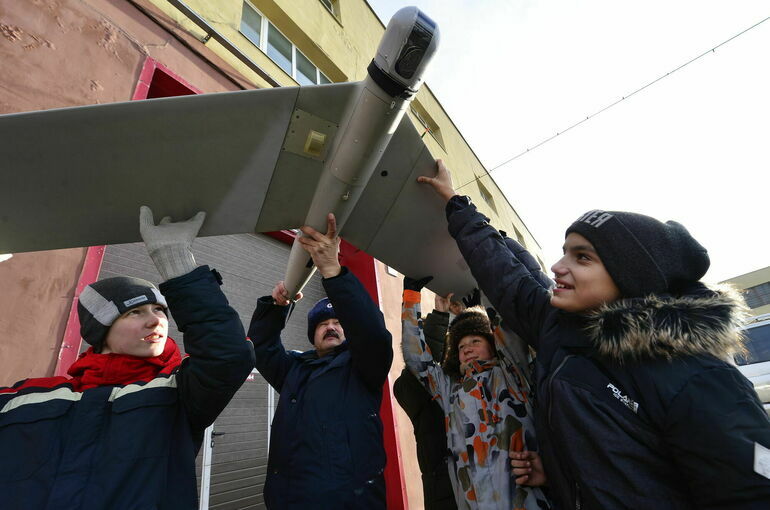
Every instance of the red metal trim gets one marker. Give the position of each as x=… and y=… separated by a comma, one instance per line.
x=395, y=485
x=363, y=266
x=145, y=77
x=149, y=72
x=70, y=345
x=285, y=236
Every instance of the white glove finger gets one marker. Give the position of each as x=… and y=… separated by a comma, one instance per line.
x=198, y=220
x=145, y=217
x=166, y=220
x=192, y=226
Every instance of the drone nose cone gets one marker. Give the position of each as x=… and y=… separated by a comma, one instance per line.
x=407, y=47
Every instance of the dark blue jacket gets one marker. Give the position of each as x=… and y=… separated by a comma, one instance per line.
x=326, y=448
x=635, y=406
x=126, y=446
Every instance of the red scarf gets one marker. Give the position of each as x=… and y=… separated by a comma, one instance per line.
x=92, y=369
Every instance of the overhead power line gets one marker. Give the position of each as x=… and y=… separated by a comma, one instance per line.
x=614, y=103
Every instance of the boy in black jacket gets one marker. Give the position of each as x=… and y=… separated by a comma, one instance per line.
x=637, y=405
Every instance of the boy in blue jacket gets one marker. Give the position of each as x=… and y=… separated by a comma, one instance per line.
x=638, y=404
x=123, y=430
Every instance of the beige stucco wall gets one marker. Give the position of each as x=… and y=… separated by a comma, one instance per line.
x=38, y=289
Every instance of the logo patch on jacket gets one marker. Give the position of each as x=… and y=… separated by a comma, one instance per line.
x=623, y=398
x=761, y=460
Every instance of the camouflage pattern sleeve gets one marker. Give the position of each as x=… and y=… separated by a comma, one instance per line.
x=417, y=354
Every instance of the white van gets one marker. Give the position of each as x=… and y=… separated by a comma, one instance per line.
x=756, y=365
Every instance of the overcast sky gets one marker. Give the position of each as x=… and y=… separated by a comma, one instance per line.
x=693, y=147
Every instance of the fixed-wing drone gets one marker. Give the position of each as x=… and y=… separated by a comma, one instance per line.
x=256, y=161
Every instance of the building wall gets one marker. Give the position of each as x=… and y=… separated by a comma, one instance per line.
x=38, y=289
x=756, y=286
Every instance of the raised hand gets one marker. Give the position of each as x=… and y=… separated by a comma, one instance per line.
x=169, y=243
x=281, y=295
x=442, y=182
x=472, y=299
x=324, y=249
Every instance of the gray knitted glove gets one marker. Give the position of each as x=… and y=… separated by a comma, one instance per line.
x=169, y=243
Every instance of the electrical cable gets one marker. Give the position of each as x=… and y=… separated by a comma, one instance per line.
x=604, y=109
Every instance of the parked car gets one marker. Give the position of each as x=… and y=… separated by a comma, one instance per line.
x=755, y=365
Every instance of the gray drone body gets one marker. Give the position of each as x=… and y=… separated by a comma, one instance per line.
x=373, y=114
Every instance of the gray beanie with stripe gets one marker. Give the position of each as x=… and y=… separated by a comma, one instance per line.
x=102, y=302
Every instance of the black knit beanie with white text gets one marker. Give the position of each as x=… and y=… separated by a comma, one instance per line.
x=641, y=254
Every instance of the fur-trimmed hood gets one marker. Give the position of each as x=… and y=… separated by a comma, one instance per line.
x=702, y=321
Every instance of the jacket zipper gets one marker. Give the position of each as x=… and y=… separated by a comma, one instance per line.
x=550, y=383
x=578, y=503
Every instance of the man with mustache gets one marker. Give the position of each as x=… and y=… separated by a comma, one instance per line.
x=326, y=448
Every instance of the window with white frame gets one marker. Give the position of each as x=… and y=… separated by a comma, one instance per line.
x=264, y=35
x=332, y=5
x=251, y=24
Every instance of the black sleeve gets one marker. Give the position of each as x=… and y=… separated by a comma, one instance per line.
x=272, y=360
x=529, y=262
x=713, y=427
x=434, y=327
x=521, y=300
x=370, y=342
x=411, y=394
x=220, y=356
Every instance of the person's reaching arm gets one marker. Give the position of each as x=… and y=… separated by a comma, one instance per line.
x=520, y=298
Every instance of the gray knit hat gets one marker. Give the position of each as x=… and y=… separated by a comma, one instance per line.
x=102, y=302
x=643, y=255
